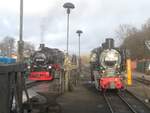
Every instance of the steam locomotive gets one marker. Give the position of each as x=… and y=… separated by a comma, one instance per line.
x=45, y=62
x=107, y=64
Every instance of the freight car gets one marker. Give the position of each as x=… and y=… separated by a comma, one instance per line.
x=45, y=63
x=107, y=63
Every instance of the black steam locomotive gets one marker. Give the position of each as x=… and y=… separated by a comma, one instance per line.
x=45, y=62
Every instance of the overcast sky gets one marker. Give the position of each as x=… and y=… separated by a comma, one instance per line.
x=98, y=19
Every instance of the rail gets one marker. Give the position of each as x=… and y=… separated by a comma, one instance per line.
x=139, y=100
x=126, y=101
x=114, y=100
x=108, y=103
x=134, y=102
x=34, y=83
x=143, y=81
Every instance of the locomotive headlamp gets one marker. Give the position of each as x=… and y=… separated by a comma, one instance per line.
x=49, y=67
x=28, y=67
x=118, y=66
x=103, y=71
x=149, y=66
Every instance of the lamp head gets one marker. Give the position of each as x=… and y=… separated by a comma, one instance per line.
x=69, y=5
x=79, y=32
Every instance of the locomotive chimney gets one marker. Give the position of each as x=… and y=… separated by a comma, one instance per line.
x=109, y=43
x=104, y=45
x=42, y=46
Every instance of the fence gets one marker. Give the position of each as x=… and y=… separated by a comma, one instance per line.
x=11, y=88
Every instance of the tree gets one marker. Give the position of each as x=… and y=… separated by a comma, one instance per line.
x=134, y=40
x=124, y=31
x=7, y=46
x=28, y=49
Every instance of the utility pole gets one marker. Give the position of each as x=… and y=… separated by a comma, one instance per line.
x=20, y=58
x=20, y=42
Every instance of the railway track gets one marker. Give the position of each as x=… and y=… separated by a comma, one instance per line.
x=143, y=81
x=41, y=85
x=124, y=102
x=42, y=95
x=28, y=92
x=31, y=84
x=35, y=83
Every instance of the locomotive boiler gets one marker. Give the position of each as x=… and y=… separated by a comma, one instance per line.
x=45, y=62
x=107, y=67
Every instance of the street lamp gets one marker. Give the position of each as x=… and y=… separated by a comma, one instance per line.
x=79, y=32
x=68, y=6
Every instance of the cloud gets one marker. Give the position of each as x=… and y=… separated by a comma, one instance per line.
x=31, y=7
x=98, y=19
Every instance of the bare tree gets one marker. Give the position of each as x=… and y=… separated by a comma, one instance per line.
x=134, y=40
x=7, y=46
x=124, y=31
x=28, y=49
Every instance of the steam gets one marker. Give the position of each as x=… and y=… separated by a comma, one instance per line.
x=43, y=28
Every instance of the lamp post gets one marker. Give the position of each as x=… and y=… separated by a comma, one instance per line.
x=20, y=42
x=68, y=6
x=79, y=32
